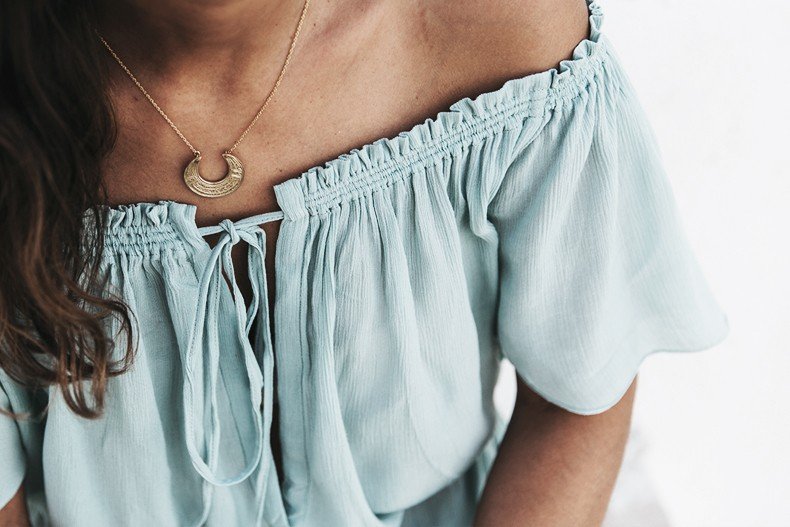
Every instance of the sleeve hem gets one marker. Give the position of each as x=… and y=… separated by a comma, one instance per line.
x=10, y=485
x=624, y=379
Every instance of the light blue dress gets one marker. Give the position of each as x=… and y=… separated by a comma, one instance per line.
x=534, y=223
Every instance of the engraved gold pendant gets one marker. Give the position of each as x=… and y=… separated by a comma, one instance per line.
x=214, y=189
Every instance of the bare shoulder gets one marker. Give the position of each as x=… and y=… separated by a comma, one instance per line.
x=489, y=41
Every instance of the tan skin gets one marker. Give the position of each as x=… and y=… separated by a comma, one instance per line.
x=362, y=70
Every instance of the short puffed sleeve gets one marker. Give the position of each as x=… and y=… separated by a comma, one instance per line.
x=595, y=269
x=12, y=458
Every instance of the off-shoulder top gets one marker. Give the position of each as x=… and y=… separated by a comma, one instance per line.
x=534, y=223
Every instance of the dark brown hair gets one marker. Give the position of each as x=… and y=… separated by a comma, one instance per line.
x=56, y=126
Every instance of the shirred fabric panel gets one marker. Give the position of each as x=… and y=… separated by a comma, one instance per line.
x=596, y=272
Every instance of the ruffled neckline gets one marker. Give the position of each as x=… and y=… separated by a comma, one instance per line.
x=516, y=97
x=317, y=188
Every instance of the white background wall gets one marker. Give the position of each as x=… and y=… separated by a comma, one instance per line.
x=712, y=428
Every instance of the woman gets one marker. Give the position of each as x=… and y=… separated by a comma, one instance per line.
x=301, y=342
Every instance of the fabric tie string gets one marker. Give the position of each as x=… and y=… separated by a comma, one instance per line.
x=259, y=374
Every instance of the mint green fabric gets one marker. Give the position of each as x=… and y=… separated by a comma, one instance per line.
x=533, y=223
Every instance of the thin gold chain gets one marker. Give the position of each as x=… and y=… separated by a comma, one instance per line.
x=257, y=115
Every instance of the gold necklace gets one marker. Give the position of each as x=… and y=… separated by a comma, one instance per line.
x=235, y=173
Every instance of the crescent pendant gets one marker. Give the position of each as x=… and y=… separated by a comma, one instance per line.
x=214, y=189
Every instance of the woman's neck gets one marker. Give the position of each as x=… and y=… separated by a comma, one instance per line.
x=175, y=36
